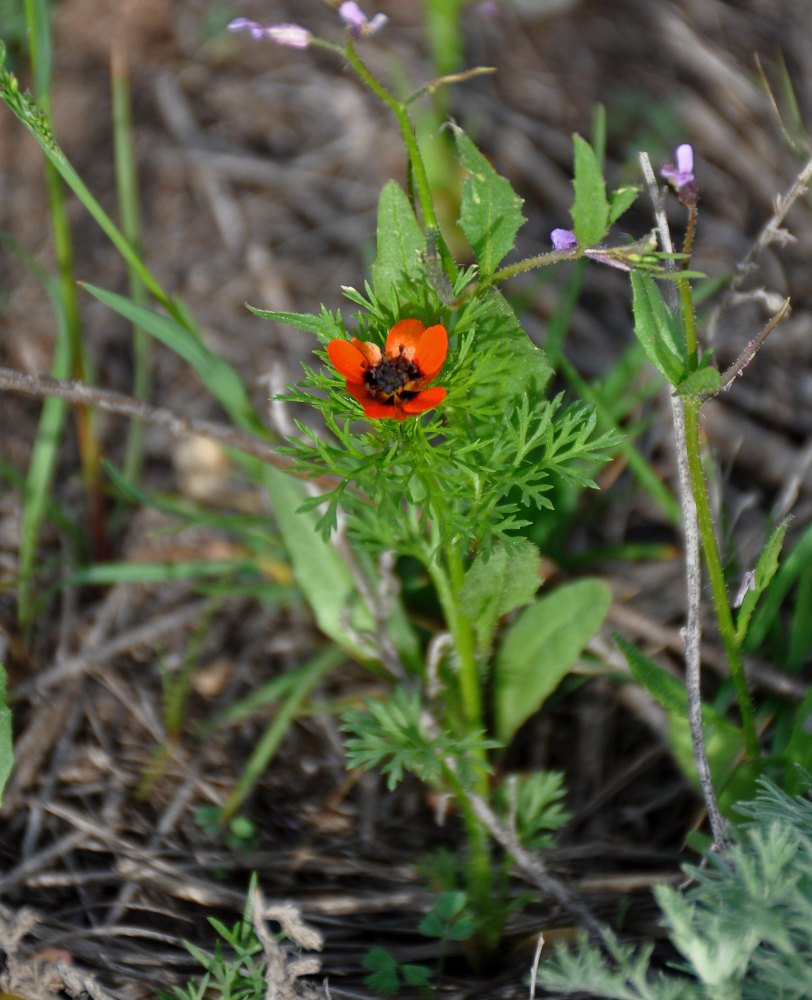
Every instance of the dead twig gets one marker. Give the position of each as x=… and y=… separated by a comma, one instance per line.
x=693, y=571
x=772, y=232
x=753, y=347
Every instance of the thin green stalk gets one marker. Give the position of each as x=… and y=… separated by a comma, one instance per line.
x=418, y=167
x=713, y=562
x=69, y=357
x=307, y=677
x=528, y=264
x=684, y=286
x=127, y=187
x=447, y=582
x=37, y=125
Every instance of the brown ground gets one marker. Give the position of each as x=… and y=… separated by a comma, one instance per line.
x=260, y=169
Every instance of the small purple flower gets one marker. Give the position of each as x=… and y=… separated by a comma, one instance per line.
x=293, y=35
x=563, y=240
x=682, y=176
x=356, y=20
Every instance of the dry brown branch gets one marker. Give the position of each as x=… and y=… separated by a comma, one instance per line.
x=771, y=232
x=77, y=393
x=692, y=635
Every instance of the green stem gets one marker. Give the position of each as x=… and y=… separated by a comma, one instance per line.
x=713, y=562
x=479, y=870
x=447, y=584
x=37, y=20
x=127, y=189
x=684, y=286
x=528, y=264
x=421, y=179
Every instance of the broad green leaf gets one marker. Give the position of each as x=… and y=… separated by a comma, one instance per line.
x=490, y=210
x=733, y=777
x=531, y=371
x=217, y=375
x=326, y=326
x=702, y=382
x=766, y=568
x=6, y=742
x=321, y=573
x=590, y=208
x=493, y=587
x=541, y=647
x=621, y=200
x=657, y=329
x=401, y=247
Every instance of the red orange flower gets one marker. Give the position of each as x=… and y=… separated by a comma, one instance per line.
x=390, y=383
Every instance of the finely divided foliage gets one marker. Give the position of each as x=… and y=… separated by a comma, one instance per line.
x=743, y=927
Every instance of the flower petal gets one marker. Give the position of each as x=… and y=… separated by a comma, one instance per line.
x=404, y=334
x=563, y=239
x=431, y=350
x=284, y=34
x=381, y=411
x=347, y=360
x=371, y=352
x=685, y=159
x=425, y=400
x=351, y=14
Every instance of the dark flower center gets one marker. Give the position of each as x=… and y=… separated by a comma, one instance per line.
x=389, y=377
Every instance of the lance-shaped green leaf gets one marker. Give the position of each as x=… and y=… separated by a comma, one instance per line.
x=490, y=210
x=658, y=330
x=326, y=327
x=766, y=568
x=590, y=208
x=621, y=200
x=217, y=375
x=530, y=371
x=401, y=246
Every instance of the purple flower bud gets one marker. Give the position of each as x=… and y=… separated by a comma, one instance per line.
x=293, y=35
x=356, y=20
x=682, y=176
x=563, y=240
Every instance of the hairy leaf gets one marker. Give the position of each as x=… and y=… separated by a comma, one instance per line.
x=590, y=208
x=401, y=247
x=490, y=210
